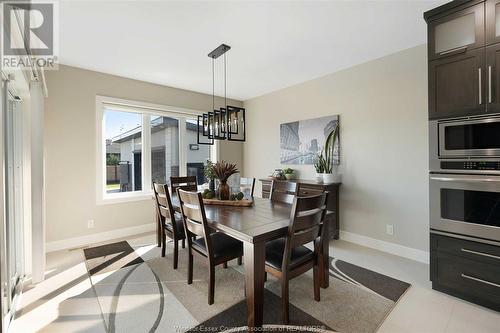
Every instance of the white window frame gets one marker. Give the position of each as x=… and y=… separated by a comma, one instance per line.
x=147, y=110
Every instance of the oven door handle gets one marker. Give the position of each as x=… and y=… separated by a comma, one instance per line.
x=467, y=179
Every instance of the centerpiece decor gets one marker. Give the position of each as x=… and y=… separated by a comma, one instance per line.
x=222, y=171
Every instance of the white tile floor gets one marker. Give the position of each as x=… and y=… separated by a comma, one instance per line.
x=66, y=301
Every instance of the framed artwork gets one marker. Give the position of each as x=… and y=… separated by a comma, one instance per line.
x=301, y=141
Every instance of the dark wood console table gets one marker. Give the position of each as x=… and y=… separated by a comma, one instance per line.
x=310, y=187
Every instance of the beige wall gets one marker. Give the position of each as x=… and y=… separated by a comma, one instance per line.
x=384, y=150
x=70, y=155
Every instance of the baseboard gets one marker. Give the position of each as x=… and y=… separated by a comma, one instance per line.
x=73, y=242
x=392, y=248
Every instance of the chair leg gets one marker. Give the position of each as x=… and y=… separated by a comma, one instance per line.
x=224, y=265
x=265, y=276
x=190, y=269
x=184, y=243
x=284, y=300
x=316, y=281
x=176, y=253
x=211, y=285
x=240, y=261
x=163, y=243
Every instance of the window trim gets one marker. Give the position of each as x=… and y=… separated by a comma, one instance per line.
x=146, y=110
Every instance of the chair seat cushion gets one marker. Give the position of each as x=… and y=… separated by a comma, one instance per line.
x=275, y=250
x=179, y=227
x=223, y=245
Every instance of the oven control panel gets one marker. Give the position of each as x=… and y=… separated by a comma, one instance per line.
x=470, y=165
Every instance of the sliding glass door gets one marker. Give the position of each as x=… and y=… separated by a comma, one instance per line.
x=13, y=219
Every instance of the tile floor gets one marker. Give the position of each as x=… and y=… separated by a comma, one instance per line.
x=66, y=302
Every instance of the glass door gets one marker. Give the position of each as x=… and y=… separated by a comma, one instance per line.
x=12, y=228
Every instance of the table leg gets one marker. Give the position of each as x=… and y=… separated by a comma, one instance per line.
x=324, y=257
x=254, y=255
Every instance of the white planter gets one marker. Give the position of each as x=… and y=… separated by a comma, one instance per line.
x=319, y=177
x=329, y=178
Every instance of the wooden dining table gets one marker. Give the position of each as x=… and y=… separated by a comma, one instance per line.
x=254, y=226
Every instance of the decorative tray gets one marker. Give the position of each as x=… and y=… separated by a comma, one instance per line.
x=239, y=203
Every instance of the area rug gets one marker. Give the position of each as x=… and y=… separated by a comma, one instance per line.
x=139, y=291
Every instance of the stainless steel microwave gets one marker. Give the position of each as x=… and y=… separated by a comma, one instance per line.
x=465, y=145
x=472, y=137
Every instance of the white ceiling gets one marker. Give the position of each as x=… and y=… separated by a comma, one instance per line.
x=274, y=44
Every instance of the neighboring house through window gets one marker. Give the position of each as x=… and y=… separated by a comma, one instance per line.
x=138, y=141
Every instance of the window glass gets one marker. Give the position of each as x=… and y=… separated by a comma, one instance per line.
x=164, y=149
x=197, y=154
x=123, y=135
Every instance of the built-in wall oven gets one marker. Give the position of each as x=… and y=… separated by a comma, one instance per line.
x=465, y=205
x=465, y=176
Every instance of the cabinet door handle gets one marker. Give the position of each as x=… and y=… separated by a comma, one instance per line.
x=465, y=276
x=480, y=86
x=489, y=85
x=480, y=253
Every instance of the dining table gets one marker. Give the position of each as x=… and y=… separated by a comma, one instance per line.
x=264, y=221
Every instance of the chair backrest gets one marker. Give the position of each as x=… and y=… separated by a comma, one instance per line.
x=283, y=191
x=164, y=208
x=248, y=182
x=306, y=221
x=188, y=183
x=194, y=218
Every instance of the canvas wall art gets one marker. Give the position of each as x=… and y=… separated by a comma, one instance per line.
x=301, y=141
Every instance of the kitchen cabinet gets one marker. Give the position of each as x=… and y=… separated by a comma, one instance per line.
x=457, y=85
x=457, y=32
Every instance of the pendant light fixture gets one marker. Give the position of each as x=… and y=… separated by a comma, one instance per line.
x=224, y=123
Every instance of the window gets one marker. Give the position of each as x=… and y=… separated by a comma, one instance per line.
x=138, y=142
x=197, y=154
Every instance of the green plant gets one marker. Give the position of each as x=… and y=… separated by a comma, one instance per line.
x=288, y=171
x=208, y=171
x=319, y=165
x=328, y=150
x=224, y=170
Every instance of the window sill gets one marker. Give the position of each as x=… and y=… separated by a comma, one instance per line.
x=124, y=197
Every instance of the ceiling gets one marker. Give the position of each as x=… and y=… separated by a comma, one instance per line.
x=274, y=44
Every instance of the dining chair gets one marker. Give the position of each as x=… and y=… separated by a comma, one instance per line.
x=283, y=191
x=247, y=183
x=216, y=248
x=188, y=183
x=287, y=258
x=170, y=222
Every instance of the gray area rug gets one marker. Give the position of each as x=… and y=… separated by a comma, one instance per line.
x=139, y=291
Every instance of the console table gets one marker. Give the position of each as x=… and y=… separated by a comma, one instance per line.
x=310, y=187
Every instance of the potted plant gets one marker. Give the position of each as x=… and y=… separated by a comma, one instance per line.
x=319, y=165
x=208, y=171
x=289, y=173
x=222, y=171
x=327, y=159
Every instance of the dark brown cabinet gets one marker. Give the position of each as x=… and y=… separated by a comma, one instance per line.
x=457, y=31
x=463, y=46
x=457, y=85
x=492, y=19
x=466, y=269
x=493, y=78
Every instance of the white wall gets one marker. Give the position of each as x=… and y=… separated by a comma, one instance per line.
x=70, y=134
x=383, y=136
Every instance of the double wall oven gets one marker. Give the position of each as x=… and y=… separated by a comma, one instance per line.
x=465, y=177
